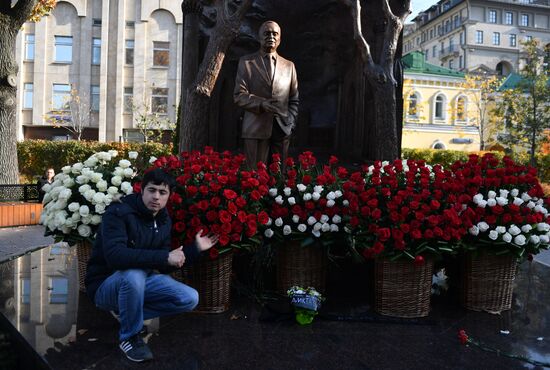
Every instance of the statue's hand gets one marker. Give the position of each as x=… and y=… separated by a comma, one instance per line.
x=269, y=106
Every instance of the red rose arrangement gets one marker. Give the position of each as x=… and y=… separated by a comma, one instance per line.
x=215, y=194
x=307, y=202
x=405, y=210
x=502, y=207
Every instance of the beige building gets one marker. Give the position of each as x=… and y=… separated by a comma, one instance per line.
x=478, y=35
x=107, y=52
x=438, y=112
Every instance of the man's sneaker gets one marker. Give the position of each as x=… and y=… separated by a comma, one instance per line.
x=135, y=349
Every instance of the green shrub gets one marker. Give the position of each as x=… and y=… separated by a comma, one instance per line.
x=34, y=156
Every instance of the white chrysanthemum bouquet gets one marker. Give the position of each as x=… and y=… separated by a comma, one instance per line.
x=76, y=200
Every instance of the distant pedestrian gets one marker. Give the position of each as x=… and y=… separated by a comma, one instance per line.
x=46, y=179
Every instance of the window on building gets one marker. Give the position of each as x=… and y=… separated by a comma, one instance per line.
x=129, y=57
x=413, y=105
x=439, y=107
x=451, y=44
x=528, y=38
x=96, y=22
x=496, y=38
x=128, y=99
x=479, y=37
x=63, y=49
x=434, y=51
x=456, y=21
x=159, y=100
x=439, y=145
x=439, y=33
x=161, y=53
x=451, y=64
x=492, y=16
x=96, y=51
x=461, y=61
x=61, y=96
x=59, y=290
x=461, y=109
x=524, y=20
x=432, y=33
x=25, y=291
x=442, y=47
x=130, y=24
x=426, y=53
x=513, y=40
x=462, y=38
x=29, y=46
x=94, y=104
x=447, y=26
x=509, y=18
x=27, y=95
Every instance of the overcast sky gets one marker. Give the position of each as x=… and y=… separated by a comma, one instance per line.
x=419, y=5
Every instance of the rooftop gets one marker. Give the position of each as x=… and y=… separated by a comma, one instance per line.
x=415, y=62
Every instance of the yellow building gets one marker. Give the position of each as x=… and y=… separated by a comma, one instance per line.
x=438, y=113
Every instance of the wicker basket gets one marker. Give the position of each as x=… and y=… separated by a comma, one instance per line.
x=487, y=282
x=401, y=288
x=302, y=266
x=212, y=279
x=83, y=253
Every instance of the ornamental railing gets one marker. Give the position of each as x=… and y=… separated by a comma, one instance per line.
x=19, y=193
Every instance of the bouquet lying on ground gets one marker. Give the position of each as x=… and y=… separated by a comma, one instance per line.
x=215, y=194
x=76, y=200
x=306, y=303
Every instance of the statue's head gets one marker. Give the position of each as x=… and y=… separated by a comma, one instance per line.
x=270, y=36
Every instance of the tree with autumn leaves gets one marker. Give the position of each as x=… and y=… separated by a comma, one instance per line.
x=481, y=93
x=12, y=18
x=525, y=108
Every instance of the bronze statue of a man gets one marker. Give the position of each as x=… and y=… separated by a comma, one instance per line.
x=267, y=88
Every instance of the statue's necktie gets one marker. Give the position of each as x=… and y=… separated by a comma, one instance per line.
x=270, y=66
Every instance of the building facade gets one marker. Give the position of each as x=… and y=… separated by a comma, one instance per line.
x=480, y=36
x=438, y=112
x=119, y=57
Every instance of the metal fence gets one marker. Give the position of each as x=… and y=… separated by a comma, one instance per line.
x=19, y=193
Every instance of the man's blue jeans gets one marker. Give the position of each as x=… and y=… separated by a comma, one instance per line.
x=139, y=295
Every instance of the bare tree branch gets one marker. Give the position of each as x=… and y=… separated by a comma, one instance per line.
x=394, y=26
x=387, y=10
x=363, y=46
x=21, y=11
x=405, y=10
x=239, y=13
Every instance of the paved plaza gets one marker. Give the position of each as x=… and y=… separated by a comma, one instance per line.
x=346, y=335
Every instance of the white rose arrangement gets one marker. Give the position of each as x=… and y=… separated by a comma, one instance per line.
x=522, y=222
x=76, y=200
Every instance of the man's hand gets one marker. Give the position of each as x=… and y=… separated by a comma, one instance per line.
x=204, y=243
x=269, y=105
x=176, y=257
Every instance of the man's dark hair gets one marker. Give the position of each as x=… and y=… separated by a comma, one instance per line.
x=158, y=177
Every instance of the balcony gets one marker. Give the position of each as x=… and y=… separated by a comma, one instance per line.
x=448, y=52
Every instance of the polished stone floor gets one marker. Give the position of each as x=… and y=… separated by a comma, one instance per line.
x=39, y=298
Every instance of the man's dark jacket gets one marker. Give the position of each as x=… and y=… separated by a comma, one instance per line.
x=131, y=237
x=40, y=183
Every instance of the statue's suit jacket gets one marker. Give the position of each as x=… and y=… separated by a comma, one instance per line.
x=253, y=85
